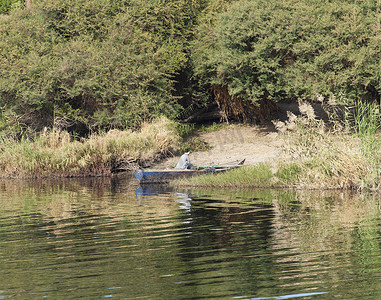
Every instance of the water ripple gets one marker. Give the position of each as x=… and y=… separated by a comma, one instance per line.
x=174, y=245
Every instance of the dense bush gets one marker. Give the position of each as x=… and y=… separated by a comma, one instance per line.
x=276, y=50
x=92, y=64
x=100, y=64
x=7, y=5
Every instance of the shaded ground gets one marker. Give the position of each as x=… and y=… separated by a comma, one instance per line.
x=254, y=143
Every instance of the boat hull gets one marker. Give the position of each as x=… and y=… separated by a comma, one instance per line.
x=163, y=176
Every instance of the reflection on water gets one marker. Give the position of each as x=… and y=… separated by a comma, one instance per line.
x=108, y=238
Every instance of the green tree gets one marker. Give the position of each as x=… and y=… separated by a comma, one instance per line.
x=93, y=64
x=257, y=52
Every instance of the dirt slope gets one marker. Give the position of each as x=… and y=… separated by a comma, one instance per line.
x=254, y=143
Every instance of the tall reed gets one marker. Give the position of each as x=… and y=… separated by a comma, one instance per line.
x=55, y=153
x=368, y=122
x=345, y=154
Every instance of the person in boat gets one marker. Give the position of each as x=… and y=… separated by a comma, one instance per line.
x=184, y=162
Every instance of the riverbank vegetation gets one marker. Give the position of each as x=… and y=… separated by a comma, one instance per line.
x=83, y=68
x=56, y=153
x=344, y=155
x=95, y=65
x=336, y=154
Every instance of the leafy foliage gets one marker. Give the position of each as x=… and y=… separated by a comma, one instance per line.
x=92, y=64
x=101, y=64
x=7, y=5
x=277, y=50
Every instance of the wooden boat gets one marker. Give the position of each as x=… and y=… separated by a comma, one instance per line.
x=163, y=176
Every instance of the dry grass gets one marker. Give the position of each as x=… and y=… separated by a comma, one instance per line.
x=344, y=154
x=55, y=153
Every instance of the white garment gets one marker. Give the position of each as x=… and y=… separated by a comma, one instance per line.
x=184, y=162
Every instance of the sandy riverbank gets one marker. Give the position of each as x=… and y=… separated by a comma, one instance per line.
x=254, y=143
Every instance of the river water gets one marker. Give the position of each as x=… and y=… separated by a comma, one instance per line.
x=109, y=238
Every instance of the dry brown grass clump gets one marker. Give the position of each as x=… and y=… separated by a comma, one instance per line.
x=328, y=156
x=55, y=153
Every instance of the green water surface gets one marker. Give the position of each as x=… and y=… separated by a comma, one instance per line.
x=107, y=238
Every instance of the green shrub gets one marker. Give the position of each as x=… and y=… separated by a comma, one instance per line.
x=272, y=50
x=7, y=5
x=90, y=65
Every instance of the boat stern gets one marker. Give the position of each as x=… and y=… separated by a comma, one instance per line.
x=139, y=175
